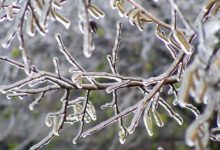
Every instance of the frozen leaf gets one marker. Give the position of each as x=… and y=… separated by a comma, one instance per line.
x=122, y=136
x=48, y=120
x=90, y=109
x=77, y=79
x=30, y=25
x=95, y=11
x=171, y=112
x=218, y=118
x=55, y=125
x=57, y=4
x=77, y=109
x=182, y=41
x=157, y=119
x=9, y=12
x=8, y=38
x=87, y=118
x=113, y=3
x=121, y=9
x=63, y=20
x=148, y=122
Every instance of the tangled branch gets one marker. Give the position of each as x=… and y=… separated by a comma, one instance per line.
x=200, y=79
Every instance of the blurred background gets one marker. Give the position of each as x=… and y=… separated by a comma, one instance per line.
x=141, y=54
